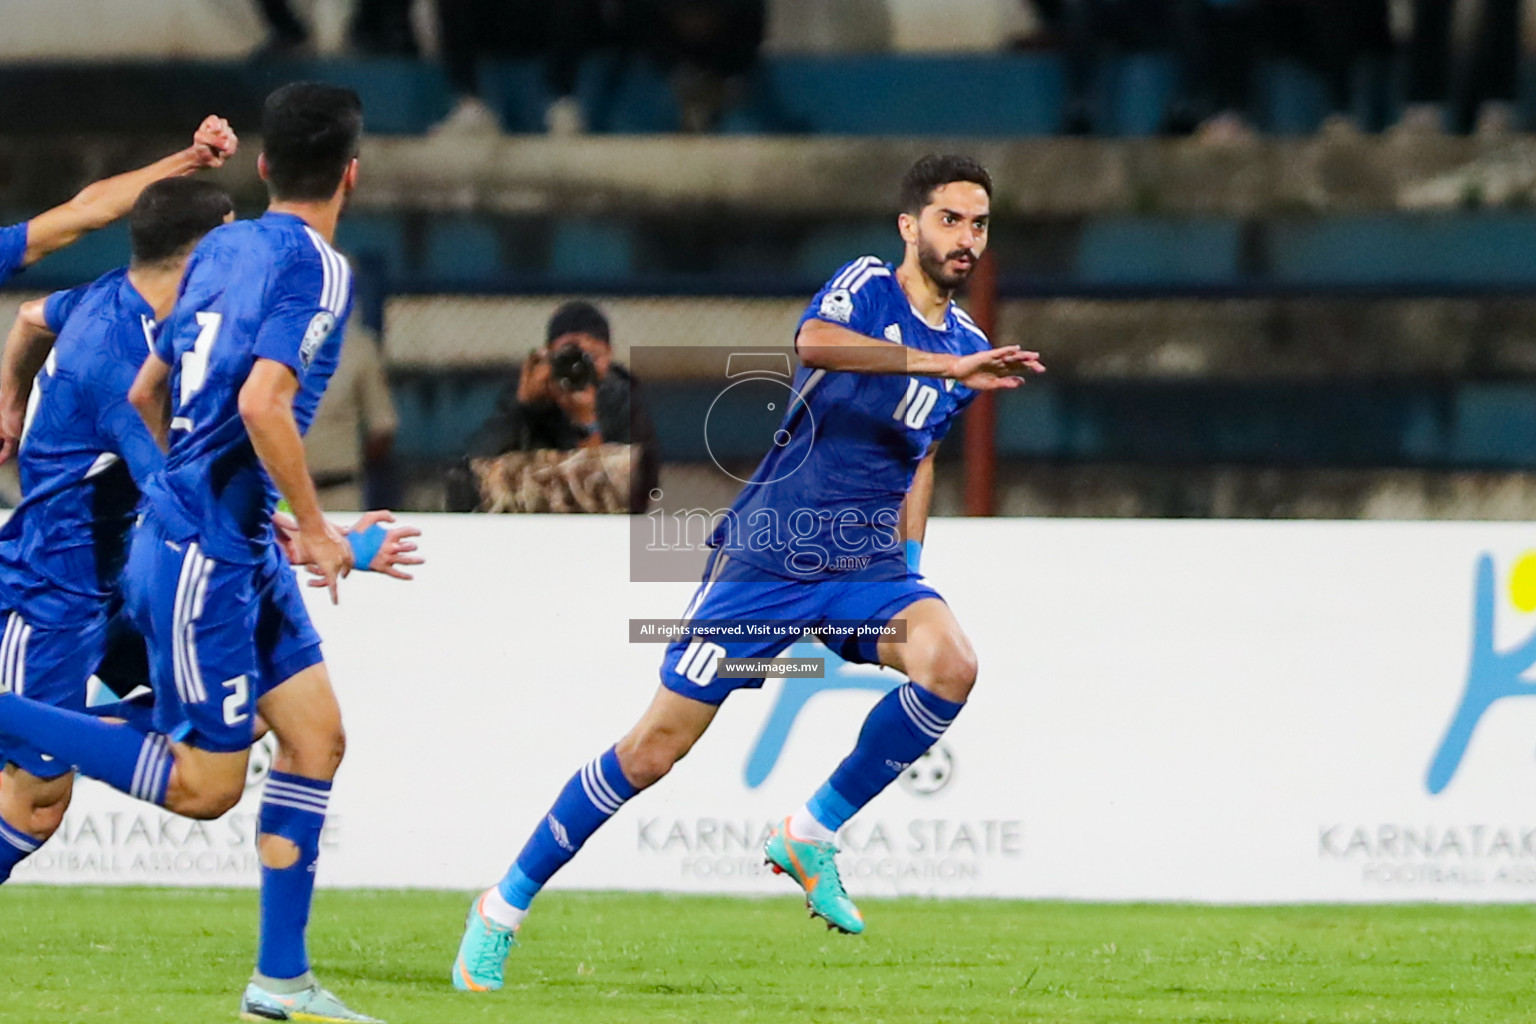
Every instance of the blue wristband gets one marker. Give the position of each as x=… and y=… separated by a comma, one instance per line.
x=366, y=545
x=914, y=554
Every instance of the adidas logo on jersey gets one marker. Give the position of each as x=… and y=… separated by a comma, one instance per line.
x=893, y=333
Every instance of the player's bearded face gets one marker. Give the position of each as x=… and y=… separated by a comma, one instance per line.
x=948, y=269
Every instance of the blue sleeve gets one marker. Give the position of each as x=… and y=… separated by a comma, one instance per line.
x=58, y=306
x=848, y=300
x=121, y=427
x=307, y=302
x=13, y=250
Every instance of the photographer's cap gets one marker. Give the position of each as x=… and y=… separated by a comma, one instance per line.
x=577, y=317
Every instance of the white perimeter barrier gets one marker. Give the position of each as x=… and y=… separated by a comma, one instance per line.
x=1216, y=711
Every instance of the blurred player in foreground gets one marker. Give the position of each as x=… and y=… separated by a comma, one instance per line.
x=889, y=362
x=232, y=380
x=62, y=550
x=103, y=202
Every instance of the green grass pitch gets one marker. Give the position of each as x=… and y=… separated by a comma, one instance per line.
x=155, y=955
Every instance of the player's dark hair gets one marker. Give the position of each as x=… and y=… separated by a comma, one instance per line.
x=577, y=318
x=309, y=133
x=934, y=172
x=171, y=215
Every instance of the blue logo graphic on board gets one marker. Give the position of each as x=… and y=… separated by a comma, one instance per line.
x=797, y=693
x=1492, y=674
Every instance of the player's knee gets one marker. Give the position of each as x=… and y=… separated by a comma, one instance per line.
x=950, y=667
x=315, y=753
x=39, y=820
x=45, y=820
x=205, y=802
x=36, y=806
x=203, y=791
x=645, y=760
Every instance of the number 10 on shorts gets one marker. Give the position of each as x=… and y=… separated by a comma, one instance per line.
x=697, y=665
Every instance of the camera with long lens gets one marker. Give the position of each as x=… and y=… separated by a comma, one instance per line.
x=572, y=368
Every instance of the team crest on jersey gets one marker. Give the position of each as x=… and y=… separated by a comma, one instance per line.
x=893, y=333
x=838, y=305
x=319, y=329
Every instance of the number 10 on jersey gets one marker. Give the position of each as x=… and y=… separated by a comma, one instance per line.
x=914, y=407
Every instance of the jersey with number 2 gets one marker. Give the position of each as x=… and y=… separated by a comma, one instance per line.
x=271, y=288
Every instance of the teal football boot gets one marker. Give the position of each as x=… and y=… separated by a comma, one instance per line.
x=482, y=961
x=812, y=865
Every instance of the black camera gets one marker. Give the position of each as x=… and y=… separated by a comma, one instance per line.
x=572, y=368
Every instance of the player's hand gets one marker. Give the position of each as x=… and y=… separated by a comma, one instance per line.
x=286, y=529
x=997, y=369
x=398, y=548
x=214, y=142
x=13, y=417
x=329, y=556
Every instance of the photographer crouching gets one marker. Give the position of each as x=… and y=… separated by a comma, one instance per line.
x=569, y=396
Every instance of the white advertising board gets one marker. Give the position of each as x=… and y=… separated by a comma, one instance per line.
x=1217, y=711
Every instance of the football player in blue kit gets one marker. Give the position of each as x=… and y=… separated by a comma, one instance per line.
x=103, y=202
x=828, y=531
x=232, y=380
x=62, y=549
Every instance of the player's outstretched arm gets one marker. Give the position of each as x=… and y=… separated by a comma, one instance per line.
x=266, y=407
x=26, y=350
x=826, y=346
x=103, y=202
x=150, y=395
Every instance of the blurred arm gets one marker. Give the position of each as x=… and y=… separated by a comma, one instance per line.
x=103, y=202
x=914, y=509
x=26, y=350
x=826, y=346
x=151, y=396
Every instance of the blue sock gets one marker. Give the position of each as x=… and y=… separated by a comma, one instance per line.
x=122, y=757
x=593, y=795
x=15, y=847
x=904, y=724
x=292, y=807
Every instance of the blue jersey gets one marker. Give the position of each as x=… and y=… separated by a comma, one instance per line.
x=263, y=289
x=62, y=550
x=826, y=499
x=13, y=249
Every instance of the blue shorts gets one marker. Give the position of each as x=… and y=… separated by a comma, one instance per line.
x=734, y=591
x=54, y=664
x=220, y=636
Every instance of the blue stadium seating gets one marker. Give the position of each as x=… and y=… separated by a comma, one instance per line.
x=1468, y=248
x=376, y=239
x=463, y=250
x=825, y=249
x=1137, y=88
x=889, y=95
x=1133, y=250
x=584, y=250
